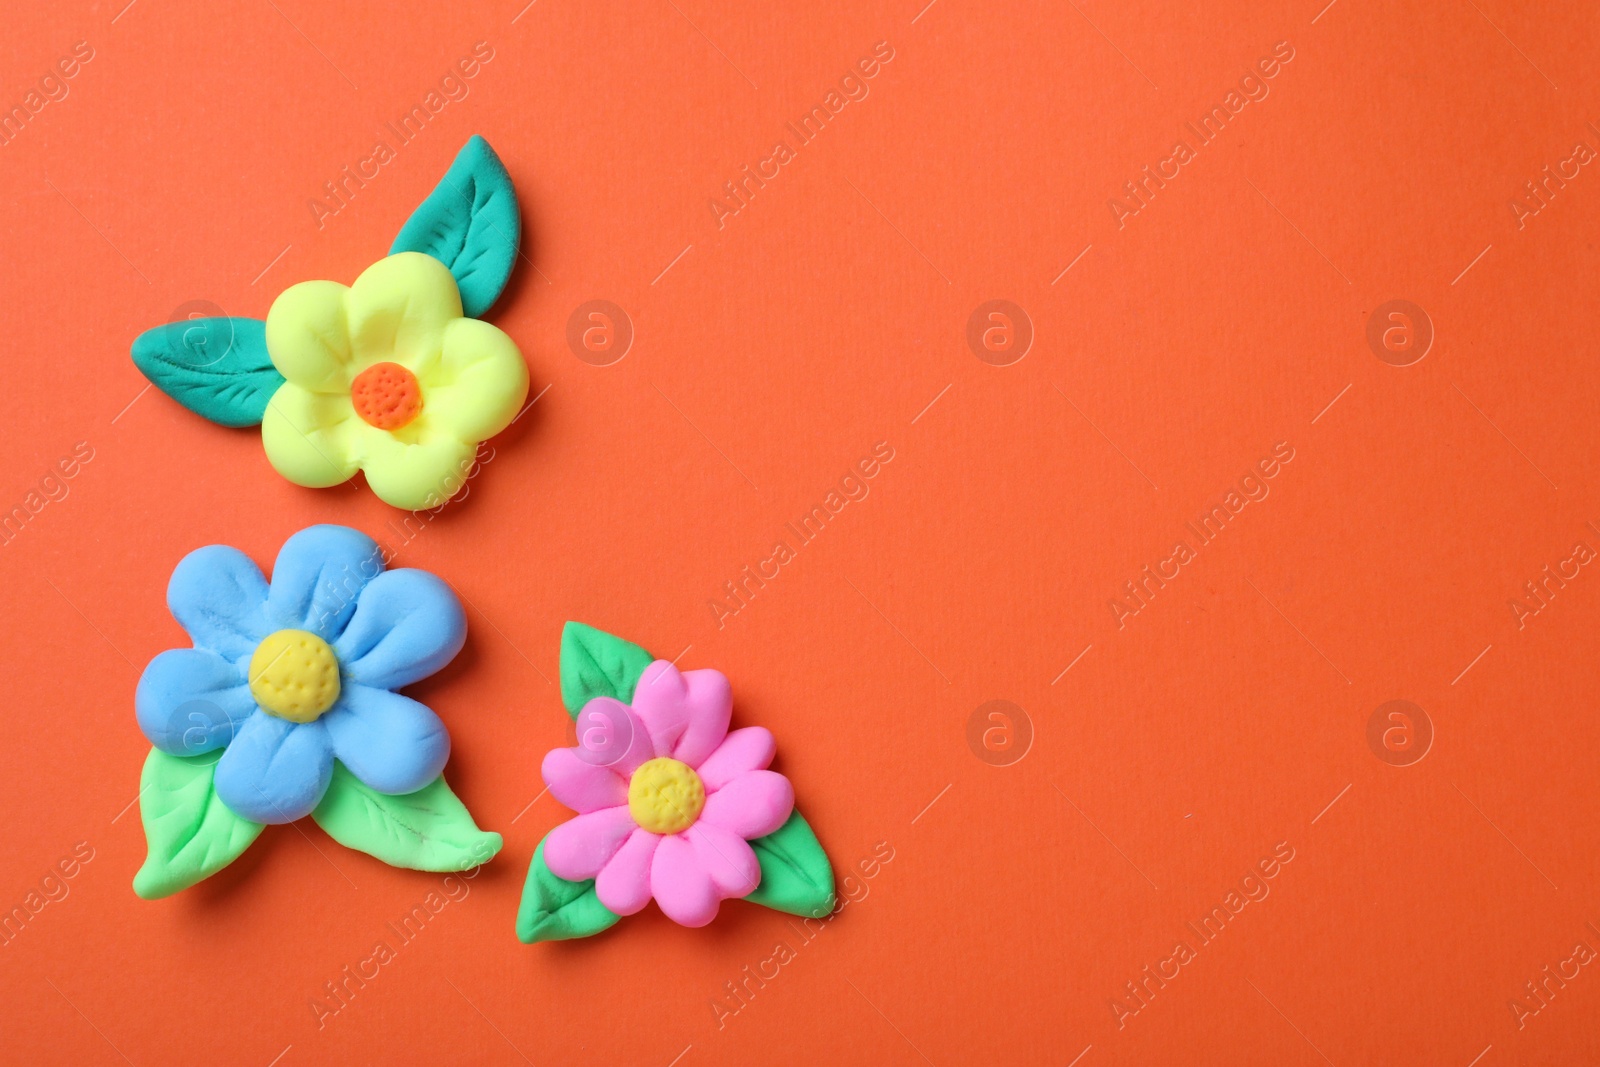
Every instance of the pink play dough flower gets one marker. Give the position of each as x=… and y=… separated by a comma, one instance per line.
x=667, y=798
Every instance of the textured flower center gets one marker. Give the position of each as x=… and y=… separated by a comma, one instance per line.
x=665, y=796
x=294, y=675
x=386, y=395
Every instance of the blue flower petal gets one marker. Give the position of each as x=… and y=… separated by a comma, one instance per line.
x=390, y=742
x=407, y=625
x=319, y=574
x=218, y=595
x=275, y=771
x=191, y=700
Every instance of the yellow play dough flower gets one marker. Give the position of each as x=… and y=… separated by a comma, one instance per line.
x=389, y=378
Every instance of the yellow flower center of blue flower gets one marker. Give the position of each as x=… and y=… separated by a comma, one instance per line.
x=294, y=675
x=665, y=796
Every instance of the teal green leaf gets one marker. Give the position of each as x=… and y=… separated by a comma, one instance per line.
x=795, y=874
x=554, y=909
x=429, y=830
x=191, y=833
x=215, y=367
x=471, y=224
x=596, y=664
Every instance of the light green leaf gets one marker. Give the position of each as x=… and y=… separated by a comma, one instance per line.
x=554, y=909
x=429, y=830
x=191, y=833
x=795, y=874
x=596, y=664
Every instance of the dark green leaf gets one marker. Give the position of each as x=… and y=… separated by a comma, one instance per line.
x=471, y=224
x=215, y=367
x=795, y=874
x=595, y=664
x=554, y=909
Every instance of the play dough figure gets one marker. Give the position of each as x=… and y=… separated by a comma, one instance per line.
x=670, y=816
x=387, y=377
x=396, y=376
x=672, y=805
x=285, y=706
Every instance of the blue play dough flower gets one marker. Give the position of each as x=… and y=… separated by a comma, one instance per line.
x=384, y=629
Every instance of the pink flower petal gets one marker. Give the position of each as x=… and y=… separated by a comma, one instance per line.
x=752, y=805
x=581, y=785
x=686, y=713
x=749, y=749
x=730, y=862
x=577, y=849
x=624, y=883
x=611, y=734
x=681, y=884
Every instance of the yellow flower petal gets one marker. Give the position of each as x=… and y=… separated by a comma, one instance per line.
x=307, y=436
x=398, y=310
x=308, y=336
x=479, y=384
x=415, y=475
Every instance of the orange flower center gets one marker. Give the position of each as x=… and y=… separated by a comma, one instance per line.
x=386, y=395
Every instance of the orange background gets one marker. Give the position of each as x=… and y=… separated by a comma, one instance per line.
x=1229, y=715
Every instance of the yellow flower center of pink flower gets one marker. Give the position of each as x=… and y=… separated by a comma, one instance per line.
x=665, y=796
